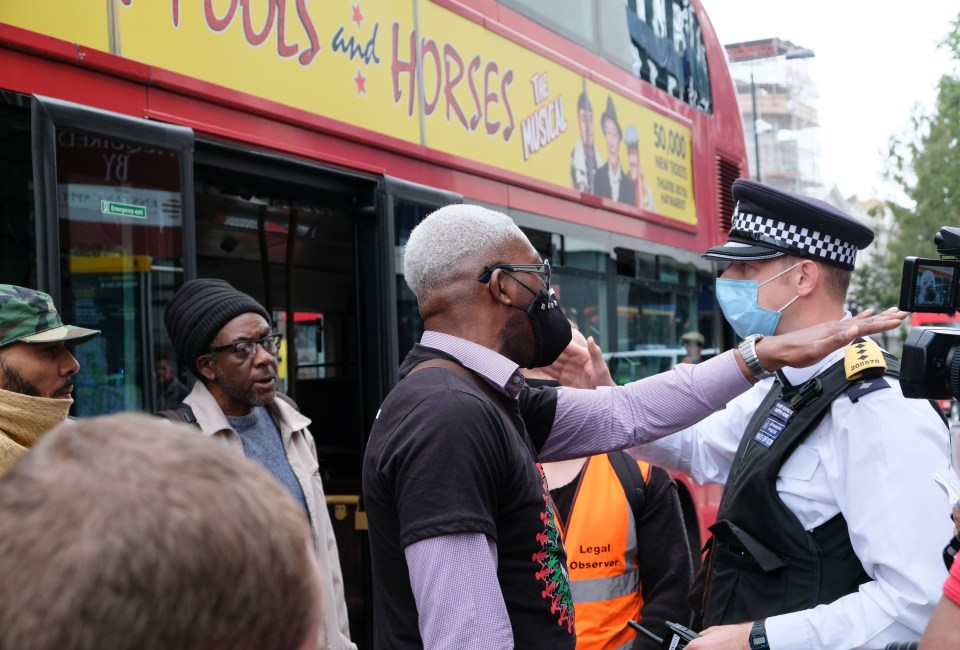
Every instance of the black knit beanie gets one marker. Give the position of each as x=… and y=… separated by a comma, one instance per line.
x=199, y=310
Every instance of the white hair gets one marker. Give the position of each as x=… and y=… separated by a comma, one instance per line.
x=453, y=236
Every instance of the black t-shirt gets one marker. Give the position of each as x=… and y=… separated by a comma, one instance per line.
x=443, y=458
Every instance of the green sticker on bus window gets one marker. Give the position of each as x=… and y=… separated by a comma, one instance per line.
x=123, y=209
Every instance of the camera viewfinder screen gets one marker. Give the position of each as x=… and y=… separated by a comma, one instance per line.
x=935, y=285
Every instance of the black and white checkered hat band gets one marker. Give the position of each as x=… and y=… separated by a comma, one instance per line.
x=797, y=238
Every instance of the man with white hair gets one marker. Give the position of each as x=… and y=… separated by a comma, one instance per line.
x=464, y=544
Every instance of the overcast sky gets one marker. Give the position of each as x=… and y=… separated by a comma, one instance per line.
x=875, y=59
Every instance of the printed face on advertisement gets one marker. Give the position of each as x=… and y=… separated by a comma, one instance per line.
x=612, y=134
x=633, y=159
x=586, y=126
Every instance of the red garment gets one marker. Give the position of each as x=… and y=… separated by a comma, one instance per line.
x=951, y=588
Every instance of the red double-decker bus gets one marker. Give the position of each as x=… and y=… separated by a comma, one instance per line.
x=290, y=147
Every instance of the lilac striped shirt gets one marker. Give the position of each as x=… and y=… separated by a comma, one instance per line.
x=501, y=373
x=587, y=422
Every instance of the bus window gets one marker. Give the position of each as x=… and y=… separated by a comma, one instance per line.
x=115, y=198
x=106, y=285
x=668, y=49
x=584, y=301
x=549, y=245
x=634, y=264
x=409, y=324
x=654, y=315
x=659, y=41
x=406, y=205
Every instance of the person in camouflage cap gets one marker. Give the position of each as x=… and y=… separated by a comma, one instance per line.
x=36, y=369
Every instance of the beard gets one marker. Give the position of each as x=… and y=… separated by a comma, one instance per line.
x=13, y=381
x=240, y=393
x=516, y=338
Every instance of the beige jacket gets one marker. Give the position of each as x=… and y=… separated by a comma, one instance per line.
x=302, y=454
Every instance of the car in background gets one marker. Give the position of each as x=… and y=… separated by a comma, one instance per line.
x=646, y=361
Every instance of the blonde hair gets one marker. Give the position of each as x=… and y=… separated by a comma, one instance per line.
x=127, y=531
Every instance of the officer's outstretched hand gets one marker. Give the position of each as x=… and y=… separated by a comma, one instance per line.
x=807, y=346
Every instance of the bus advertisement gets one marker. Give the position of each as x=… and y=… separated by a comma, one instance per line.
x=290, y=147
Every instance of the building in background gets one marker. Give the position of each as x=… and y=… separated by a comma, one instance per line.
x=778, y=102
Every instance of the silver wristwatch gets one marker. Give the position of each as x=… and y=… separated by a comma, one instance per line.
x=748, y=350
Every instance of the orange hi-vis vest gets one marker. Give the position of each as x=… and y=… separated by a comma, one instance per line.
x=600, y=537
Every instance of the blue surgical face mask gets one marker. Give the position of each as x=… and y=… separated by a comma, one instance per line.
x=738, y=300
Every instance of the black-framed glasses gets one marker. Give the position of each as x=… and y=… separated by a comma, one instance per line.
x=543, y=270
x=246, y=348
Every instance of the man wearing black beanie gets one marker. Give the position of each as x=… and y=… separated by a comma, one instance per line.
x=226, y=340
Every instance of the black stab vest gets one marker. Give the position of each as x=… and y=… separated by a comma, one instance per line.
x=761, y=562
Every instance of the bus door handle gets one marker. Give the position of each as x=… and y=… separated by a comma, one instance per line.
x=341, y=504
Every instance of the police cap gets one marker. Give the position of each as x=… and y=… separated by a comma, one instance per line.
x=769, y=222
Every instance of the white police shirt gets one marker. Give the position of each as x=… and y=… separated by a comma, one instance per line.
x=872, y=460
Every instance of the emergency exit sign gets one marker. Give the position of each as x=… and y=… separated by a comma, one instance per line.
x=123, y=209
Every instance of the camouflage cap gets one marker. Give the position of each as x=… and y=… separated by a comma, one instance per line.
x=31, y=317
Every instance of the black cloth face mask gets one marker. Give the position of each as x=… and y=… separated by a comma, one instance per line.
x=551, y=329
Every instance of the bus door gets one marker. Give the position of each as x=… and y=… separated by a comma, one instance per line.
x=302, y=239
x=114, y=214
x=406, y=204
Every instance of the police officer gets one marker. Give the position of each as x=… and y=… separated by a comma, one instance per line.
x=830, y=524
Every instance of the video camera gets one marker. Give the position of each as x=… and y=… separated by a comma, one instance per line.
x=930, y=367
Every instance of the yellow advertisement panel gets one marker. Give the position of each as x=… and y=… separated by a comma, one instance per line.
x=493, y=101
x=331, y=58
x=74, y=21
x=451, y=85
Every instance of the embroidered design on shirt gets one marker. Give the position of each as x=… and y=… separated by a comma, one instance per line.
x=552, y=573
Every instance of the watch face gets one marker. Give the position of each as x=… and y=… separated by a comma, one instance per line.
x=758, y=637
